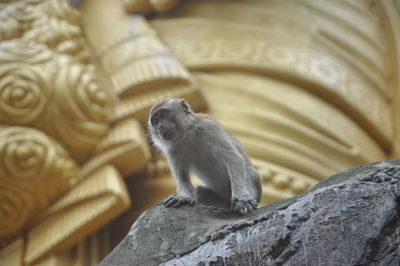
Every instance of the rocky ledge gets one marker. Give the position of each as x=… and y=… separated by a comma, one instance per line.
x=351, y=218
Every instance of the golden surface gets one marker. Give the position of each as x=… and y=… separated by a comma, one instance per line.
x=62, y=159
x=309, y=87
x=31, y=162
x=99, y=197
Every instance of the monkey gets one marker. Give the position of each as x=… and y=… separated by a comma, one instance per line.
x=195, y=143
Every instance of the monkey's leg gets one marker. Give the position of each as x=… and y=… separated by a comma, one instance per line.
x=242, y=202
x=208, y=197
x=186, y=193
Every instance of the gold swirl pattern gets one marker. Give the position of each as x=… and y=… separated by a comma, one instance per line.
x=61, y=10
x=49, y=88
x=15, y=19
x=83, y=108
x=30, y=162
x=51, y=27
x=51, y=31
x=57, y=26
x=15, y=208
x=18, y=51
x=24, y=93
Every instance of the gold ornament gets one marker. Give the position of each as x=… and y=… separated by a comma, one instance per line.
x=30, y=162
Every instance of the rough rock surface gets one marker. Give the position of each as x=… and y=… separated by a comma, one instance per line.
x=351, y=218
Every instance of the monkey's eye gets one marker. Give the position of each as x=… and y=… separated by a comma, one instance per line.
x=164, y=113
x=153, y=121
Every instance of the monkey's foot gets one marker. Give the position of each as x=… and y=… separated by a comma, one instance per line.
x=177, y=201
x=243, y=204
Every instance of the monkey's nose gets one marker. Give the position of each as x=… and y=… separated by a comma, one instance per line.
x=160, y=127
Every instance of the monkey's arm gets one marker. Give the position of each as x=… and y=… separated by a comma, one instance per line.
x=227, y=149
x=186, y=193
x=241, y=201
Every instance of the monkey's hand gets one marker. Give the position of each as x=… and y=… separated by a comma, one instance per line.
x=177, y=201
x=243, y=204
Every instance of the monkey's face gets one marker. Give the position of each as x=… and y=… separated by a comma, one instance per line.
x=163, y=124
x=167, y=119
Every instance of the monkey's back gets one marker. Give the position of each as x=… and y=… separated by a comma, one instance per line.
x=209, y=147
x=213, y=150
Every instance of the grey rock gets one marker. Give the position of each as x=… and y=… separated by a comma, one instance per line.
x=351, y=218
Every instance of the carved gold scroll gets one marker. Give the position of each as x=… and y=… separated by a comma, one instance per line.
x=62, y=159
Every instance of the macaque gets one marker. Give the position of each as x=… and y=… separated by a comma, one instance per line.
x=197, y=144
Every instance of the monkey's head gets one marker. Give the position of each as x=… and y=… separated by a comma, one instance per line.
x=169, y=119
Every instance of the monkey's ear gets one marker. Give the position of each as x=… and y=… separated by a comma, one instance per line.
x=186, y=107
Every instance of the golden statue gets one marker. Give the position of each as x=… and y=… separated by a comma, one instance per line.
x=309, y=88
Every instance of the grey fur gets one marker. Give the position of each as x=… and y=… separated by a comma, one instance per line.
x=196, y=143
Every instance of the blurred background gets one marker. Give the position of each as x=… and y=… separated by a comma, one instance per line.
x=309, y=88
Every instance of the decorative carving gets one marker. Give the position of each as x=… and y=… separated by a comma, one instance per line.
x=24, y=52
x=30, y=162
x=15, y=19
x=24, y=83
x=24, y=94
x=17, y=207
x=66, y=99
x=57, y=26
x=125, y=146
x=141, y=67
x=138, y=61
x=100, y=197
x=126, y=132
x=202, y=45
x=82, y=108
x=142, y=75
x=47, y=82
x=95, y=247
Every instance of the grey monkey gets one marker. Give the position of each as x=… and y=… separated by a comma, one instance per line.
x=196, y=143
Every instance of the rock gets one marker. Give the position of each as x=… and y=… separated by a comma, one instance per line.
x=351, y=218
